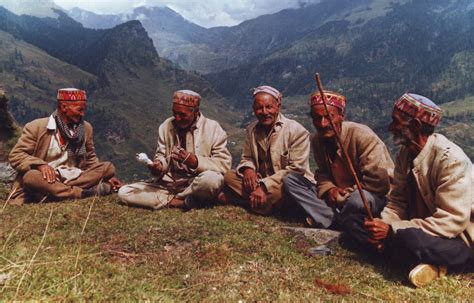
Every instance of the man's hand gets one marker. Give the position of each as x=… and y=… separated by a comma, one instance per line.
x=378, y=230
x=185, y=157
x=258, y=198
x=156, y=168
x=116, y=183
x=337, y=196
x=49, y=173
x=250, y=179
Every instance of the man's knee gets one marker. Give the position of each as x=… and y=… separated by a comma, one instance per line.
x=124, y=192
x=207, y=184
x=354, y=202
x=210, y=179
x=109, y=170
x=231, y=177
x=289, y=181
x=412, y=238
x=141, y=195
x=295, y=183
x=31, y=178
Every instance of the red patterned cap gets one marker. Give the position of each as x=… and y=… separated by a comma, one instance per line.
x=332, y=98
x=419, y=107
x=187, y=98
x=71, y=94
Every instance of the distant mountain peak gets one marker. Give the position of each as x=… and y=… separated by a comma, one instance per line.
x=36, y=8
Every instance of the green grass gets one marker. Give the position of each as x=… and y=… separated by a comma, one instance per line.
x=217, y=254
x=460, y=106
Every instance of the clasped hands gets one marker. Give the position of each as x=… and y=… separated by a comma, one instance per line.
x=178, y=154
x=181, y=155
x=337, y=196
x=257, y=194
x=378, y=230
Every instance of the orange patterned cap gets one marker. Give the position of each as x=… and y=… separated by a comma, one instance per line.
x=71, y=94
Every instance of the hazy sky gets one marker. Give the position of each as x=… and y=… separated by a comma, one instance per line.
x=206, y=13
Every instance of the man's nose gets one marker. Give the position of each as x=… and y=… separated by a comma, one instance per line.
x=324, y=122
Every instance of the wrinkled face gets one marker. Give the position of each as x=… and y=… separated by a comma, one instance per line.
x=72, y=111
x=266, y=109
x=184, y=115
x=400, y=129
x=321, y=120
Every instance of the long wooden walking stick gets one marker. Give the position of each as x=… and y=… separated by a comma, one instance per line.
x=344, y=151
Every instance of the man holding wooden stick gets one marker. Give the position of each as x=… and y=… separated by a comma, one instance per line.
x=428, y=220
x=335, y=195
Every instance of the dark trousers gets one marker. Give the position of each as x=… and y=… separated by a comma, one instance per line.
x=415, y=245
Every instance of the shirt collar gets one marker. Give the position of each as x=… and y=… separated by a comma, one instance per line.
x=51, y=123
x=425, y=151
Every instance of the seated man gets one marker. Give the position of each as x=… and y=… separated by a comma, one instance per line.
x=55, y=156
x=428, y=219
x=189, y=163
x=335, y=194
x=274, y=146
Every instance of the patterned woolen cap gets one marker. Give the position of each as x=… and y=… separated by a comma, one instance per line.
x=268, y=90
x=187, y=98
x=419, y=107
x=332, y=98
x=71, y=94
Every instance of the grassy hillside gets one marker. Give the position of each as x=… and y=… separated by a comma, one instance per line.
x=128, y=98
x=459, y=107
x=31, y=78
x=97, y=250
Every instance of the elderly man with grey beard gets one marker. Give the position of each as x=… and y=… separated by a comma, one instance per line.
x=428, y=222
x=190, y=160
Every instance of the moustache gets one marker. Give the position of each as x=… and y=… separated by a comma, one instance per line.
x=325, y=129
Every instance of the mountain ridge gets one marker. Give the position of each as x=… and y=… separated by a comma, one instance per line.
x=129, y=85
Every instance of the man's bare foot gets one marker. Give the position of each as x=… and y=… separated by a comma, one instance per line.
x=176, y=203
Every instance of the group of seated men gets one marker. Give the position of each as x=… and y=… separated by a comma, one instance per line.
x=422, y=205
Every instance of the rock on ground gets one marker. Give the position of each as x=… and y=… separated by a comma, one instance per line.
x=320, y=236
x=7, y=173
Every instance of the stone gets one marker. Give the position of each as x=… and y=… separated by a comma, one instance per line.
x=7, y=173
x=320, y=236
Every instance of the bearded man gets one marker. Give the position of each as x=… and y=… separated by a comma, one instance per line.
x=274, y=146
x=55, y=157
x=428, y=222
x=335, y=196
x=190, y=160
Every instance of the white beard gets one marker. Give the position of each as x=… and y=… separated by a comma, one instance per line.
x=403, y=138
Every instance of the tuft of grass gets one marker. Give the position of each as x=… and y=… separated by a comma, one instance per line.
x=214, y=254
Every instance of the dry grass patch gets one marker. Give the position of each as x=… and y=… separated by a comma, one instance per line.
x=216, y=254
